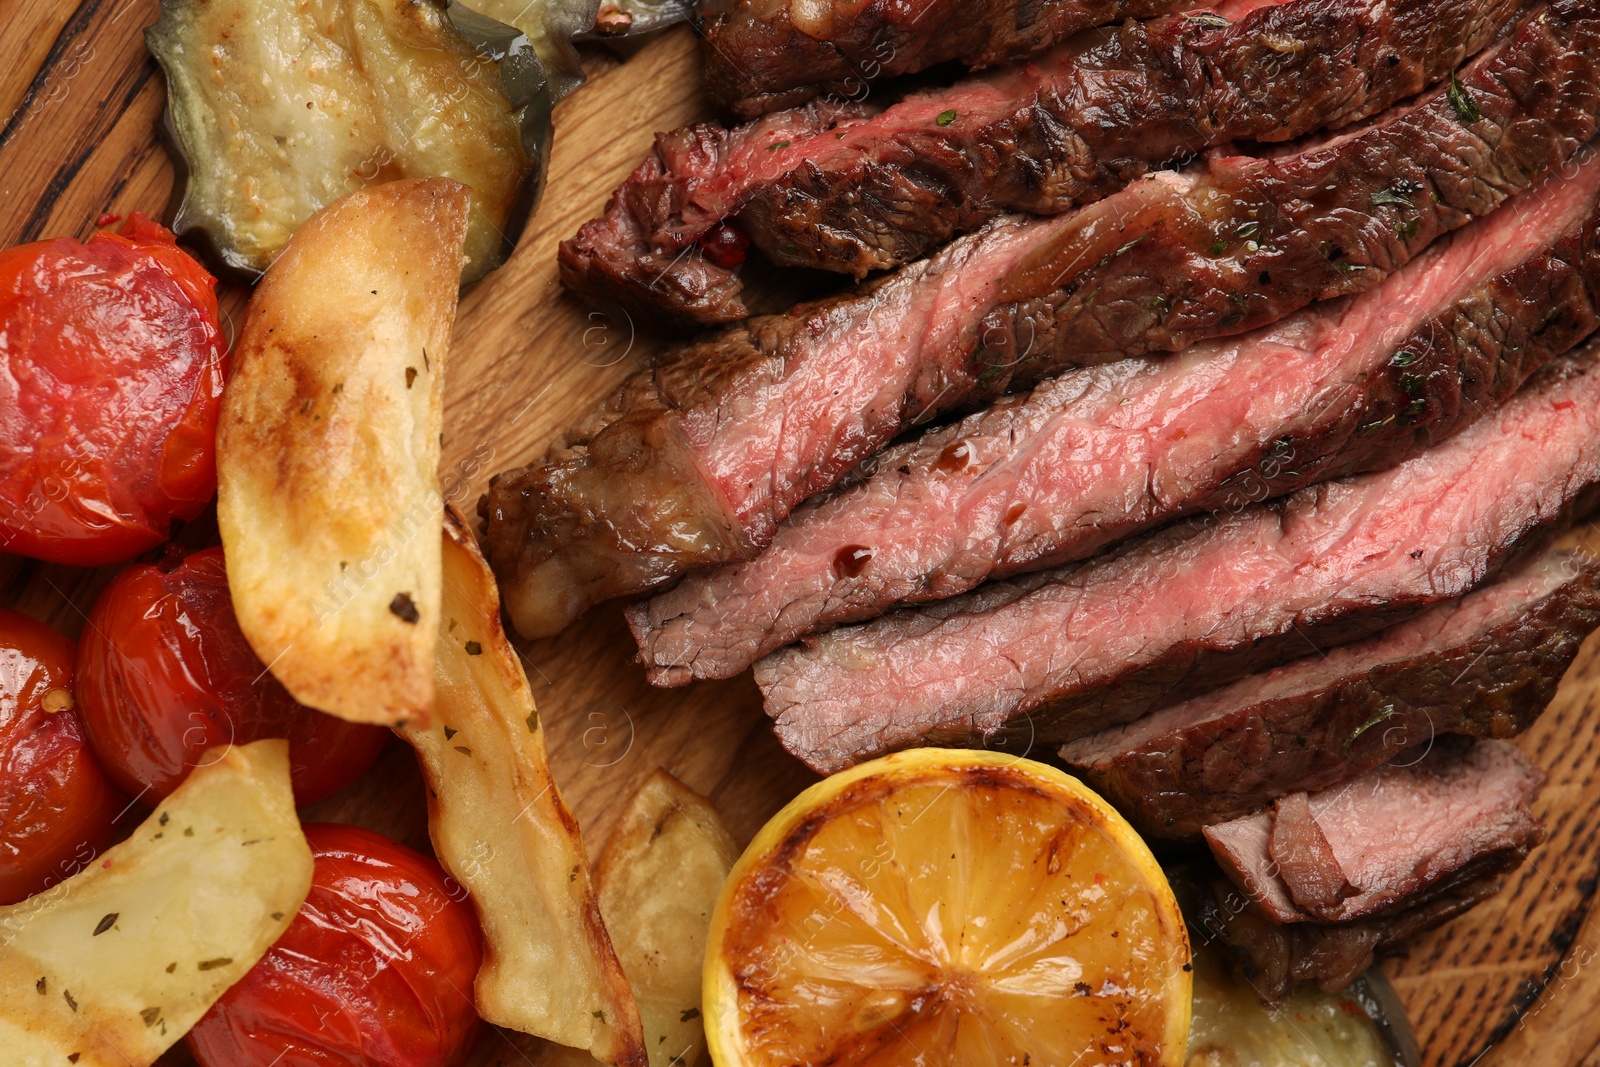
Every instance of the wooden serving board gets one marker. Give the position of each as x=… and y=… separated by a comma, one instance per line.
x=1513, y=983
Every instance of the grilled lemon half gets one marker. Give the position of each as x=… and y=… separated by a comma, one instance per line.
x=947, y=907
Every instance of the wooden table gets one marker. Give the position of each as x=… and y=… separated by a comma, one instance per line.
x=81, y=100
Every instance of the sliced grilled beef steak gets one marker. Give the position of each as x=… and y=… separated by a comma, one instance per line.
x=696, y=460
x=1101, y=453
x=1484, y=666
x=762, y=55
x=849, y=187
x=1439, y=815
x=1279, y=957
x=1060, y=654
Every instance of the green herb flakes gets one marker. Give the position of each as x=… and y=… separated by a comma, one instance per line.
x=1462, y=103
x=1384, y=713
x=946, y=117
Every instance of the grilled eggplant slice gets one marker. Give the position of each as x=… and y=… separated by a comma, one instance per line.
x=279, y=107
x=1364, y=1026
x=551, y=25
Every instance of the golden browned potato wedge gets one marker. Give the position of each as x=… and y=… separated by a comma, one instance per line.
x=328, y=451
x=658, y=881
x=501, y=829
x=112, y=966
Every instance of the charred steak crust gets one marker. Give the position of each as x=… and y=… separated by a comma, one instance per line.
x=638, y=253
x=1001, y=492
x=839, y=187
x=1277, y=958
x=1256, y=238
x=1057, y=655
x=1486, y=666
x=758, y=59
x=790, y=403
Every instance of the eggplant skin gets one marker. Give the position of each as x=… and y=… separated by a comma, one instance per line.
x=551, y=25
x=280, y=107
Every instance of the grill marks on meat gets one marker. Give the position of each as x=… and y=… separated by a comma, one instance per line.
x=1484, y=666
x=762, y=55
x=755, y=420
x=1101, y=453
x=1057, y=655
x=1385, y=839
x=846, y=187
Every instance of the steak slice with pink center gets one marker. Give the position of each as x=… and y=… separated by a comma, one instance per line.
x=696, y=460
x=1434, y=819
x=1057, y=655
x=855, y=187
x=1483, y=666
x=1102, y=453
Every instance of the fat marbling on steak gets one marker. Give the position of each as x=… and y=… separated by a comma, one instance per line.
x=1101, y=453
x=1483, y=666
x=1057, y=655
x=1441, y=814
x=852, y=187
x=697, y=459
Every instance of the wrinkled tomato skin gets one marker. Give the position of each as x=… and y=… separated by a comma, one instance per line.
x=57, y=809
x=164, y=674
x=111, y=370
x=376, y=968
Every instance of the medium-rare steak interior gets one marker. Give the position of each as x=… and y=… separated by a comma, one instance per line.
x=855, y=187
x=1483, y=666
x=1057, y=655
x=697, y=459
x=1101, y=453
x=761, y=55
x=1439, y=816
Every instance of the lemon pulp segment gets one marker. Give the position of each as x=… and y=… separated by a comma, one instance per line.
x=948, y=908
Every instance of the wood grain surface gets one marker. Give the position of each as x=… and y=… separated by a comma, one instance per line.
x=1516, y=982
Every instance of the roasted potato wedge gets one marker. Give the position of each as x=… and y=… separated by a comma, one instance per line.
x=658, y=881
x=501, y=829
x=276, y=109
x=112, y=966
x=328, y=451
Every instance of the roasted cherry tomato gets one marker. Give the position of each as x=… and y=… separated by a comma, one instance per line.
x=377, y=968
x=57, y=810
x=164, y=674
x=111, y=370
